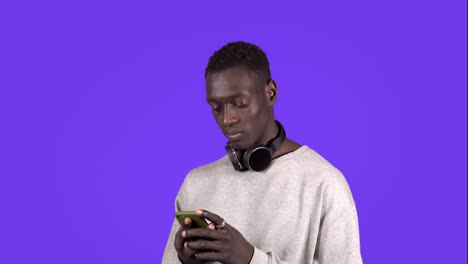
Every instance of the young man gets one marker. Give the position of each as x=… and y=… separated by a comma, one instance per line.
x=270, y=199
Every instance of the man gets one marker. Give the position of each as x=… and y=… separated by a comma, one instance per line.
x=270, y=200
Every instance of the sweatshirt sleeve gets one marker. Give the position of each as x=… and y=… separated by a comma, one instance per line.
x=260, y=257
x=338, y=237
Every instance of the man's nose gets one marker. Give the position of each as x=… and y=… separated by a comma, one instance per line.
x=229, y=116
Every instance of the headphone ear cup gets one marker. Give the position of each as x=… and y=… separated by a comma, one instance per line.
x=257, y=158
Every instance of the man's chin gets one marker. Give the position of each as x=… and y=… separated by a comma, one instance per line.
x=239, y=145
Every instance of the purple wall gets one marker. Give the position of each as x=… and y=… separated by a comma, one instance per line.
x=102, y=114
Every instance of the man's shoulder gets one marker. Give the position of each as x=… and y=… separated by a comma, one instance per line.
x=212, y=168
x=311, y=163
x=309, y=158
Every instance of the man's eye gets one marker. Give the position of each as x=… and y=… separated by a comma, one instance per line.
x=216, y=108
x=241, y=105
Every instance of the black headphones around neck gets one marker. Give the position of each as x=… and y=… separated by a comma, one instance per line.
x=257, y=157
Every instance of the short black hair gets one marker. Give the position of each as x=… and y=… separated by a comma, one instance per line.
x=240, y=53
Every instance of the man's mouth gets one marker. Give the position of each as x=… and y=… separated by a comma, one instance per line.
x=233, y=135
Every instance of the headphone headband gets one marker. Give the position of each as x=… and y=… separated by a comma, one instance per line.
x=279, y=139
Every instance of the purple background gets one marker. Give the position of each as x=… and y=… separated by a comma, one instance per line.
x=102, y=114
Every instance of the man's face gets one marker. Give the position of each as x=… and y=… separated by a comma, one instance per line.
x=240, y=106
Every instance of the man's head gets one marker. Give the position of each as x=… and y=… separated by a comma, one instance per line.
x=241, y=93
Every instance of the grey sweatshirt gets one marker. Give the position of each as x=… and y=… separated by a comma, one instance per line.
x=299, y=210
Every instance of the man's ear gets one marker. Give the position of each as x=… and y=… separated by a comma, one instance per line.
x=271, y=92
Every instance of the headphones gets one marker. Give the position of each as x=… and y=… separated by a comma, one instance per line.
x=257, y=157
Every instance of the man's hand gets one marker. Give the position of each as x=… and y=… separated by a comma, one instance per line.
x=226, y=245
x=186, y=255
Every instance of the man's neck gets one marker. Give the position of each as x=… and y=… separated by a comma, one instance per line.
x=287, y=147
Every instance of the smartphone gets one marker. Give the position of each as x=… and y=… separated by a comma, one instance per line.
x=197, y=221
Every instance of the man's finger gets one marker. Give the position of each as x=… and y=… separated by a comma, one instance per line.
x=179, y=240
x=187, y=223
x=182, y=246
x=205, y=245
x=188, y=252
x=202, y=233
x=215, y=219
x=210, y=256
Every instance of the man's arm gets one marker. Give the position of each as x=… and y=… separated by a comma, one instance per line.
x=338, y=238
